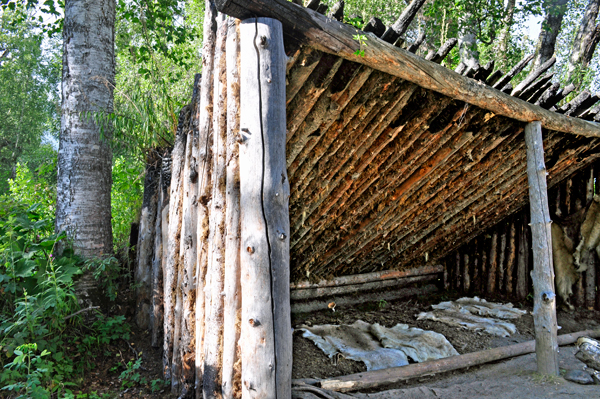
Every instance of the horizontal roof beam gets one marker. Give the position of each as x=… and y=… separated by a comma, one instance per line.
x=325, y=34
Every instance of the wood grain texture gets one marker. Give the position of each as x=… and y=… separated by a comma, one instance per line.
x=264, y=193
x=544, y=299
x=231, y=380
x=204, y=116
x=333, y=37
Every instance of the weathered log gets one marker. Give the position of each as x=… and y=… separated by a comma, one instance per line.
x=329, y=128
x=504, y=80
x=342, y=302
x=299, y=73
x=231, y=369
x=491, y=281
x=547, y=99
x=536, y=96
x=510, y=261
x=312, y=4
x=322, y=9
x=171, y=268
x=411, y=202
x=337, y=11
x=439, y=56
x=266, y=349
x=501, y=261
x=213, y=316
x=204, y=124
x=367, y=277
x=590, y=273
x=415, y=46
x=528, y=91
x=143, y=262
x=160, y=240
x=466, y=276
x=376, y=26
x=403, y=22
x=532, y=77
x=184, y=336
x=374, y=379
x=336, y=38
x=522, y=262
x=310, y=293
x=494, y=77
x=544, y=299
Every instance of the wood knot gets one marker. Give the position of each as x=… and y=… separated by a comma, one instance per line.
x=281, y=235
x=263, y=41
x=254, y=323
x=250, y=250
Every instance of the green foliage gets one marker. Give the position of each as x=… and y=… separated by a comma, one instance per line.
x=130, y=377
x=126, y=197
x=38, y=325
x=362, y=41
x=29, y=72
x=37, y=187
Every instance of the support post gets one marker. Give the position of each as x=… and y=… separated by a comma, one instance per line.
x=544, y=299
x=266, y=335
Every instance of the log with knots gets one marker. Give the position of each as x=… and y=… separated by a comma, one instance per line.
x=571, y=261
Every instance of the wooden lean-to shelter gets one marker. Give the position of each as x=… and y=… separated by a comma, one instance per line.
x=314, y=151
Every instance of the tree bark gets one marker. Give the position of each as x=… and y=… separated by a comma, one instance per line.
x=544, y=299
x=84, y=155
x=504, y=38
x=264, y=192
x=583, y=46
x=554, y=11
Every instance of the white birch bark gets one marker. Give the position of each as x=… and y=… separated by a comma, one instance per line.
x=84, y=159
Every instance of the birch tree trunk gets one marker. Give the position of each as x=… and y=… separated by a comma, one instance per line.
x=585, y=41
x=84, y=157
x=554, y=11
x=504, y=38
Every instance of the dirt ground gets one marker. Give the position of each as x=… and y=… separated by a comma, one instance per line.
x=515, y=378
x=310, y=362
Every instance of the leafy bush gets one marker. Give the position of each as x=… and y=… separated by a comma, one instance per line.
x=39, y=319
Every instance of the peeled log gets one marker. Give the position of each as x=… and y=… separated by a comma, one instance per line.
x=231, y=380
x=374, y=379
x=266, y=341
x=544, y=298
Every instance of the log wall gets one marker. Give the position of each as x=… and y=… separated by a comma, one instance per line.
x=498, y=263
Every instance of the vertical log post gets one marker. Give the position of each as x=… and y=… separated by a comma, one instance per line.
x=266, y=343
x=230, y=382
x=213, y=317
x=204, y=115
x=544, y=300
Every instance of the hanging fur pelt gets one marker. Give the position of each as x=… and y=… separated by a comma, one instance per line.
x=589, y=237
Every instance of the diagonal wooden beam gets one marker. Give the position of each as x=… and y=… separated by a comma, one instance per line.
x=325, y=34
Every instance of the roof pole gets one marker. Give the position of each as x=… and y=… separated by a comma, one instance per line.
x=544, y=299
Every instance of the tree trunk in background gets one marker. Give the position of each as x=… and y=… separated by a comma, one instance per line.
x=467, y=42
x=84, y=159
x=505, y=34
x=585, y=42
x=554, y=11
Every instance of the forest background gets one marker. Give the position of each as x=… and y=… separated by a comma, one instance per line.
x=158, y=50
